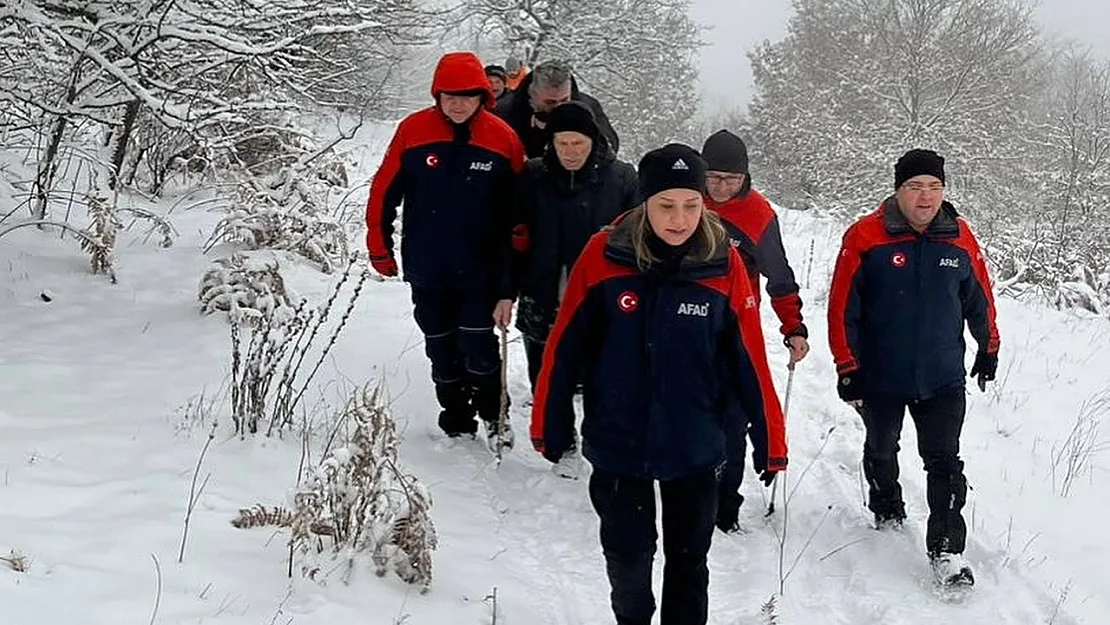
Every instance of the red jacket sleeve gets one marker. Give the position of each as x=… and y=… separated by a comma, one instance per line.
x=757, y=390
x=844, y=304
x=563, y=353
x=978, y=296
x=386, y=192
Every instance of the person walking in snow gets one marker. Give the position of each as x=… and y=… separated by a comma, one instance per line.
x=454, y=165
x=660, y=323
x=527, y=109
x=753, y=228
x=908, y=277
x=577, y=187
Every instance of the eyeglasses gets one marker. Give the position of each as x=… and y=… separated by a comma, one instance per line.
x=728, y=179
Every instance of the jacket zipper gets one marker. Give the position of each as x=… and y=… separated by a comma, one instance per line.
x=918, y=303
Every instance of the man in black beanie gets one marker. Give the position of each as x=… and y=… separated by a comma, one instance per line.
x=576, y=188
x=753, y=227
x=908, y=277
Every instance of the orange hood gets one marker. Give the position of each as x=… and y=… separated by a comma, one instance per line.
x=462, y=71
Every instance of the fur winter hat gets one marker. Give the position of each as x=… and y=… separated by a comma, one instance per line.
x=673, y=166
x=724, y=151
x=918, y=163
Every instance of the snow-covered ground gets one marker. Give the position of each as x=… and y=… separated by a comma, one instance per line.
x=97, y=461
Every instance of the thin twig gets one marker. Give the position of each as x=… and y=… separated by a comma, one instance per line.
x=194, y=492
x=158, y=588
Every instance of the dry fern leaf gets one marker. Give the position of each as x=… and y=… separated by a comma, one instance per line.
x=16, y=562
x=261, y=516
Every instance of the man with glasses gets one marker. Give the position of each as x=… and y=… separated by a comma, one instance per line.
x=908, y=277
x=529, y=106
x=753, y=227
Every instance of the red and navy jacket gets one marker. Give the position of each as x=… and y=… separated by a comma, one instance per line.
x=753, y=227
x=661, y=359
x=899, y=301
x=458, y=184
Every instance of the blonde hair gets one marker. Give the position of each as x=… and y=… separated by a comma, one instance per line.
x=710, y=235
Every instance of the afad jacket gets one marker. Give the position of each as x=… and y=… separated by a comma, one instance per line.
x=753, y=227
x=900, y=299
x=660, y=359
x=458, y=186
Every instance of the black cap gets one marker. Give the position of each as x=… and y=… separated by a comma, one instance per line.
x=724, y=151
x=495, y=70
x=673, y=166
x=917, y=163
x=574, y=117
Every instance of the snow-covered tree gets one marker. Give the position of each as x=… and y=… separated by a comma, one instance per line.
x=857, y=82
x=638, y=57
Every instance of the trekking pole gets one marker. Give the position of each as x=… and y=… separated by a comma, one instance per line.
x=785, y=411
x=503, y=417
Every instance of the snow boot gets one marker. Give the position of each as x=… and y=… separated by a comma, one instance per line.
x=505, y=440
x=951, y=569
x=892, y=516
x=457, y=417
x=728, y=512
x=569, y=465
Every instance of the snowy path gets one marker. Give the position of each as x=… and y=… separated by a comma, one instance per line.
x=96, y=470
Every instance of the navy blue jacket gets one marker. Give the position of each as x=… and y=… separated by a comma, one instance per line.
x=557, y=213
x=899, y=301
x=660, y=358
x=458, y=184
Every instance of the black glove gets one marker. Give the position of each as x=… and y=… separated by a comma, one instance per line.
x=767, y=477
x=801, y=331
x=986, y=365
x=849, y=388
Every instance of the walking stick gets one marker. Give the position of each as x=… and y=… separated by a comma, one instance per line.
x=785, y=411
x=503, y=417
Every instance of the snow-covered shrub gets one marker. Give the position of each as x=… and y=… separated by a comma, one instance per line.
x=289, y=210
x=358, y=502
x=269, y=353
x=247, y=285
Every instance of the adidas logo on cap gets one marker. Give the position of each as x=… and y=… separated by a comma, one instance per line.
x=680, y=164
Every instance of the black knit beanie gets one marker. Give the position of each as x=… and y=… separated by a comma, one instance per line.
x=917, y=163
x=724, y=151
x=673, y=166
x=495, y=71
x=573, y=117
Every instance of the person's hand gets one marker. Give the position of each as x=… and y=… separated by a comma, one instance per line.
x=767, y=476
x=799, y=347
x=503, y=313
x=848, y=387
x=385, y=265
x=986, y=365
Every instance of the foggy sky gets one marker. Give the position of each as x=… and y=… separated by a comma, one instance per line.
x=740, y=25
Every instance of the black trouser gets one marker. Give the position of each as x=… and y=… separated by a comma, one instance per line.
x=728, y=508
x=460, y=343
x=626, y=508
x=533, y=352
x=939, y=421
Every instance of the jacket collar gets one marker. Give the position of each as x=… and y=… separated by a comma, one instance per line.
x=619, y=250
x=943, y=226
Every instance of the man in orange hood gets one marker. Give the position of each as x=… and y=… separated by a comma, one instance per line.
x=454, y=165
x=753, y=227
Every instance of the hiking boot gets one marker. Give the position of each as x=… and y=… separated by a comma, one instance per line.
x=951, y=569
x=890, y=520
